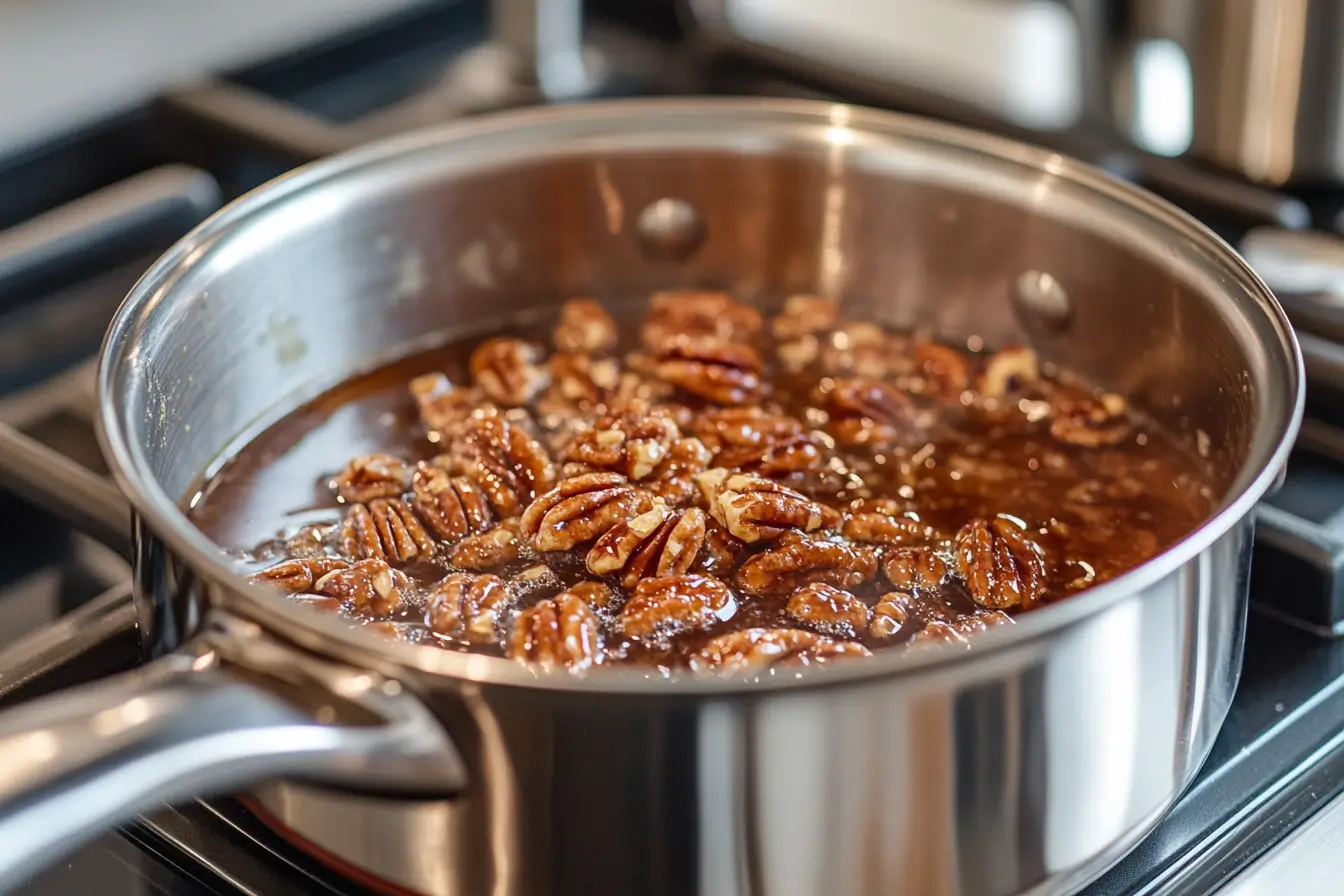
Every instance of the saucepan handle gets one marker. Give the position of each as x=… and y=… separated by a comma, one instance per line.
x=236, y=708
x=86, y=500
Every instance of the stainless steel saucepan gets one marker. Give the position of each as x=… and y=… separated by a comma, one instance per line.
x=1027, y=763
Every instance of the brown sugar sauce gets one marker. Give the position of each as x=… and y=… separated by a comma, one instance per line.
x=704, y=486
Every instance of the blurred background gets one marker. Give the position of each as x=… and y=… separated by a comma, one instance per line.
x=123, y=123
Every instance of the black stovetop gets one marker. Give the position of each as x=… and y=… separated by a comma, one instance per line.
x=82, y=216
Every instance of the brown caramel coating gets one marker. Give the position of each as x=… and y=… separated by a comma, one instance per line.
x=722, y=490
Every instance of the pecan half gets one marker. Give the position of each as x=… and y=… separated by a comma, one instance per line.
x=759, y=648
x=891, y=614
x=914, y=568
x=829, y=610
x=559, y=631
x=796, y=454
x=1009, y=370
x=584, y=327
x=632, y=443
x=795, y=561
x=858, y=349
x=444, y=408
x=715, y=370
x=580, y=384
x=722, y=552
x=370, y=586
x=890, y=529
x=1002, y=566
x=534, y=583
x=372, y=476
x=488, y=550
x=943, y=371
x=580, y=510
x=674, y=479
x=452, y=507
x=297, y=576
x=468, y=606
x=504, y=460
x=726, y=429
x=667, y=605
x=601, y=597
x=804, y=315
x=959, y=629
x=508, y=370
x=865, y=411
x=384, y=529
x=658, y=542
x=758, y=509
x=684, y=312
x=1090, y=422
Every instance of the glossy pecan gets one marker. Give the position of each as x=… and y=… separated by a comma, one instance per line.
x=533, y=583
x=754, y=508
x=828, y=610
x=943, y=371
x=796, y=454
x=727, y=429
x=1090, y=422
x=674, y=479
x=444, y=407
x=585, y=327
x=754, y=649
x=715, y=370
x=914, y=568
x=795, y=561
x=865, y=411
x=296, y=576
x=370, y=586
x=722, y=552
x=891, y=614
x=904, y=529
x=504, y=461
x=858, y=349
x=958, y=630
x=599, y=596
x=372, y=476
x=804, y=315
x=684, y=312
x=658, y=542
x=488, y=550
x=580, y=384
x=667, y=605
x=558, y=631
x=469, y=606
x=384, y=529
x=1009, y=370
x=1003, y=567
x=451, y=507
x=580, y=510
x=632, y=443
x=508, y=370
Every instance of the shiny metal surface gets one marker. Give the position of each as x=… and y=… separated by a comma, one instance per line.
x=1266, y=82
x=77, y=762
x=1026, y=764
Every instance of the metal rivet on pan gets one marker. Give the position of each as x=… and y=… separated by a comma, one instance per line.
x=1041, y=300
x=670, y=229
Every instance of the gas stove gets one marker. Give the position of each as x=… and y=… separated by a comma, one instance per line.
x=81, y=216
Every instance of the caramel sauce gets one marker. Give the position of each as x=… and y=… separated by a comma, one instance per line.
x=1092, y=510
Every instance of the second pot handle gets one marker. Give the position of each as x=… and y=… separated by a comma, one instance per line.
x=202, y=722
x=83, y=498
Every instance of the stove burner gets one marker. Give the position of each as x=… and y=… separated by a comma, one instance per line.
x=87, y=214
